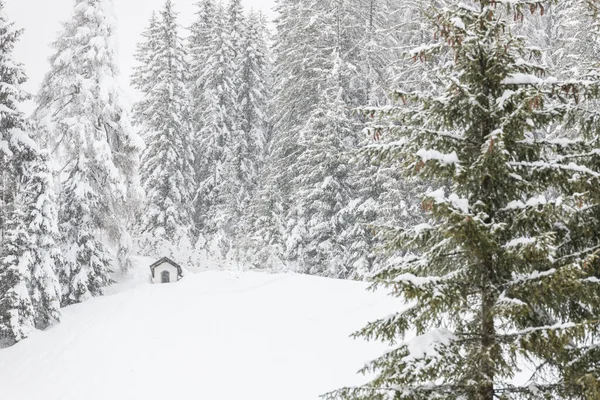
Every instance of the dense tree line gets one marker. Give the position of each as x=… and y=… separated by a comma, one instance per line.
x=69, y=187
x=271, y=135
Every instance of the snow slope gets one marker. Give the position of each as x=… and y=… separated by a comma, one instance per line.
x=214, y=335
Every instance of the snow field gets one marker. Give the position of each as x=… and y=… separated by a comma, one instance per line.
x=213, y=335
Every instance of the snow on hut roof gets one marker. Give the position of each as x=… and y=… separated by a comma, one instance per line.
x=169, y=261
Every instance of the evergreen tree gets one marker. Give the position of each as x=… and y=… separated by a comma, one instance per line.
x=87, y=260
x=216, y=173
x=248, y=87
x=321, y=186
x=382, y=196
x=40, y=220
x=254, y=125
x=265, y=245
x=297, y=74
x=377, y=34
x=88, y=130
x=21, y=277
x=301, y=63
x=16, y=309
x=12, y=77
x=167, y=161
x=145, y=73
x=30, y=293
x=200, y=45
x=236, y=23
x=495, y=278
x=255, y=89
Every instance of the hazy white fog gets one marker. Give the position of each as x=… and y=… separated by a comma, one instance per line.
x=41, y=20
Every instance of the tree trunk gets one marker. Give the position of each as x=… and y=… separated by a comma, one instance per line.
x=487, y=336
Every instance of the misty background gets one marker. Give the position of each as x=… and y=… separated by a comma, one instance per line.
x=42, y=19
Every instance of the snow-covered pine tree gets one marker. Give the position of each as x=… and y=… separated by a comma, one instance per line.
x=344, y=33
x=300, y=66
x=376, y=35
x=215, y=171
x=40, y=221
x=490, y=284
x=87, y=267
x=16, y=309
x=321, y=187
x=88, y=131
x=265, y=249
x=255, y=86
x=249, y=62
x=236, y=24
x=254, y=95
x=200, y=45
x=29, y=293
x=297, y=79
x=381, y=195
x=166, y=222
x=360, y=32
x=29, y=256
x=266, y=220
x=236, y=32
x=11, y=118
x=239, y=170
x=145, y=73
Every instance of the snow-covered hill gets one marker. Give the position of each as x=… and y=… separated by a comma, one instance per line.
x=214, y=335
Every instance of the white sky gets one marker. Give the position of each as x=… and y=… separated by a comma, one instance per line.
x=41, y=20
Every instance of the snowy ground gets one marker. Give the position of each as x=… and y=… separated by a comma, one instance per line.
x=214, y=335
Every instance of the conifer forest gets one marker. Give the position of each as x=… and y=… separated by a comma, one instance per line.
x=442, y=153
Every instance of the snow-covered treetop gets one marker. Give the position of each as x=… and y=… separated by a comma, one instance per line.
x=12, y=77
x=83, y=81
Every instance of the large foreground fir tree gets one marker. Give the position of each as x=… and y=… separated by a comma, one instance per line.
x=500, y=288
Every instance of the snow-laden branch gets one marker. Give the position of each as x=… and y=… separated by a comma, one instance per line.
x=453, y=200
x=572, y=167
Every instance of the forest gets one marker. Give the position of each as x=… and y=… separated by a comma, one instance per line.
x=447, y=152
